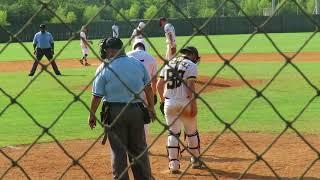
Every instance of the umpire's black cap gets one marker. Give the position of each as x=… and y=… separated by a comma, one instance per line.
x=42, y=26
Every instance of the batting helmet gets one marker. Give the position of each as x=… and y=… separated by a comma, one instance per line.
x=141, y=26
x=140, y=42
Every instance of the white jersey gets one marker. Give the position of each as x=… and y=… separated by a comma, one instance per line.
x=115, y=31
x=169, y=31
x=174, y=87
x=136, y=34
x=83, y=36
x=148, y=61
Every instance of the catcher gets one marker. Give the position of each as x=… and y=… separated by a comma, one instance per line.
x=179, y=105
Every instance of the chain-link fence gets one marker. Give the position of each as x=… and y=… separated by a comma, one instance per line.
x=226, y=63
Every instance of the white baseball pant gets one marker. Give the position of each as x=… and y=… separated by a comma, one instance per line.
x=172, y=108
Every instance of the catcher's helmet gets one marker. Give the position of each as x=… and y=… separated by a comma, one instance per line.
x=192, y=50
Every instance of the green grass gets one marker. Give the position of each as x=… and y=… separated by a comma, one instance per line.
x=289, y=42
x=45, y=100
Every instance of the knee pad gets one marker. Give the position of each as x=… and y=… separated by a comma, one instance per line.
x=173, y=146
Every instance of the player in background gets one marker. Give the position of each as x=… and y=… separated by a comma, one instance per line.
x=137, y=33
x=115, y=30
x=139, y=52
x=84, y=44
x=170, y=38
x=178, y=103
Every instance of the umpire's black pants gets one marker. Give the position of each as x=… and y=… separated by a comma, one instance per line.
x=127, y=137
x=39, y=54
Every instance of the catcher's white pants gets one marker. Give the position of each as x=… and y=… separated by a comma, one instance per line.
x=169, y=53
x=172, y=109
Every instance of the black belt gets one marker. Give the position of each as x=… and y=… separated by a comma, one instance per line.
x=121, y=104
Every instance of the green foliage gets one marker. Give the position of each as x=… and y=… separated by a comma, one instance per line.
x=81, y=11
x=3, y=18
x=134, y=11
x=288, y=7
x=264, y=4
x=251, y=7
x=310, y=4
x=69, y=17
x=90, y=12
x=150, y=12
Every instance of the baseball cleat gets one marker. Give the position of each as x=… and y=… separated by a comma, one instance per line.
x=196, y=163
x=30, y=74
x=175, y=171
x=81, y=61
x=58, y=73
x=87, y=64
x=174, y=167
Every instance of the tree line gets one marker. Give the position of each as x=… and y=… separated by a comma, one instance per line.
x=80, y=11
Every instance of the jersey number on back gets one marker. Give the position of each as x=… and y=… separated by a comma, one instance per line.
x=174, y=79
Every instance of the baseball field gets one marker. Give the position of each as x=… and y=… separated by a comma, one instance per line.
x=288, y=94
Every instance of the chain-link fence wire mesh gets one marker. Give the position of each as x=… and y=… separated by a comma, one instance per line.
x=226, y=63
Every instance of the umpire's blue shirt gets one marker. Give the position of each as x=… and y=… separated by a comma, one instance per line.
x=43, y=40
x=129, y=70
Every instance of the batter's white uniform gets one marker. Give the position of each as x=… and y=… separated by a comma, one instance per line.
x=169, y=31
x=84, y=48
x=175, y=110
x=115, y=31
x=137, y=34
x=150, y=64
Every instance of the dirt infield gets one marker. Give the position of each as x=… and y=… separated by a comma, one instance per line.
x=227, y=158
x=243, y=57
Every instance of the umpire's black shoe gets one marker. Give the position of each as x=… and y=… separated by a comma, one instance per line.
x=58, y=73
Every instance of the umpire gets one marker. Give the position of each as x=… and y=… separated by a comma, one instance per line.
x=126, y=135
x=43, y=46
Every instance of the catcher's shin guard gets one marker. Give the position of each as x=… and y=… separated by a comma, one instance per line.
x=173, y=147
x=193, y=143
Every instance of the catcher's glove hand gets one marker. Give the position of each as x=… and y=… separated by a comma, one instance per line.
x=162, y=107
x=155, y=99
